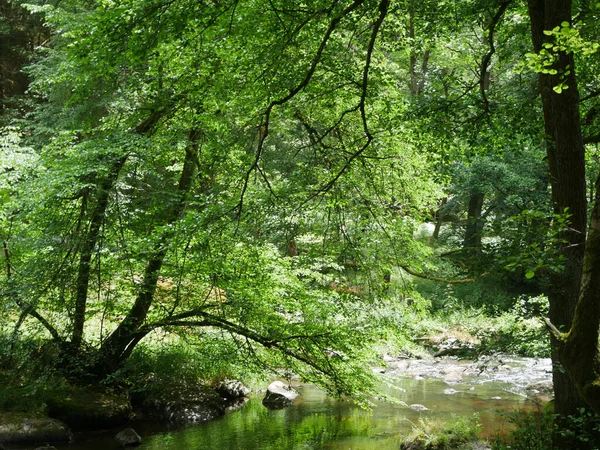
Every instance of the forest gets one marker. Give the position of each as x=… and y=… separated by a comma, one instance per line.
x=209, y=190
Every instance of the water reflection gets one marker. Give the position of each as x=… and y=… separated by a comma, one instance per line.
x=319, y=422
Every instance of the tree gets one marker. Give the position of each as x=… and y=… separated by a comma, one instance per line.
x=173, y=140
x=574, y=298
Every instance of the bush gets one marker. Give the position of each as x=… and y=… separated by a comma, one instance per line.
x=434, y=435
x=534, y=431
x=531, y=431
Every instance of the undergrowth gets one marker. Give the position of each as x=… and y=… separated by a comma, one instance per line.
x=455, y=434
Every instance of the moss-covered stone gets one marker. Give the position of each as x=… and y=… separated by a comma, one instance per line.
x=20, y=428
x=85, y=410
x=183, y=403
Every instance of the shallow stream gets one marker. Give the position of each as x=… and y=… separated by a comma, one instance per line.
x=446, y=387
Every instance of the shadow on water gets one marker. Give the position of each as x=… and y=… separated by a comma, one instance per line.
x=319, y=422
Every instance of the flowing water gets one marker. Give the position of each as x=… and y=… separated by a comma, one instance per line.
x=446, y=388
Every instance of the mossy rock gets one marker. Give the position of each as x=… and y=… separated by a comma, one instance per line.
x=183, y=403
x=83, y=409
x=21, y=428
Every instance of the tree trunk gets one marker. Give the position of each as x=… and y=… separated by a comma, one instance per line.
x=89, y=244
x=417, y=80
x=119, y=344
x=565, y=151
x=439, y=219
x=474, y=221
x=578, y=349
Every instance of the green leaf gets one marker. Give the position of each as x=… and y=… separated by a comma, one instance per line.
x=530, y=274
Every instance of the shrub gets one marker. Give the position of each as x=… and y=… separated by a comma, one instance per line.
x=435, y=435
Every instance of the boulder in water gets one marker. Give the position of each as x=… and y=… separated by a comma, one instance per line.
x=279, y=395
x=232, y=389
x=128, y=437
x=83, y=409
x=20, y=429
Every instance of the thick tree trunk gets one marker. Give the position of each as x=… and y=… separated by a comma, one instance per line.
x=474, y=221
x=119, y=344
x=565, y=153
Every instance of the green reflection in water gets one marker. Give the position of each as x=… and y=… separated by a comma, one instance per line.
x=318, y=422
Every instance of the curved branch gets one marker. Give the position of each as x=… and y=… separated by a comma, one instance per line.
x=383, y=10
x=264, y=127
x=485, y=62
x=218, y=322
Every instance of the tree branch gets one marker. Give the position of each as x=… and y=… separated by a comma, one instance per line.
x=485, y=62
x=383, y=9
x=593, y=139
x=441, y=280
x=264, y=127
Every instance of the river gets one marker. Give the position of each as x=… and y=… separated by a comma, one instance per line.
x=445, y=387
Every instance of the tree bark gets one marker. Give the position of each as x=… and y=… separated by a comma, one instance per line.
x=578, y=349
x=565, y=152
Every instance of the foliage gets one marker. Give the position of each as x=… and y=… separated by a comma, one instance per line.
x=531, y=431
x=26, y=377
x=534, y=430
x=518, y=331
x=434, y=435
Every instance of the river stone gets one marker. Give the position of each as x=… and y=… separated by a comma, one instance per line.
x=450, y=391
x=452, y=378
x=541, y=387
x=21, y=429
x=183, y=403
x=418, y=407
x=88, y=410
x=279, y=395
x=128, y=437
x=232, y=389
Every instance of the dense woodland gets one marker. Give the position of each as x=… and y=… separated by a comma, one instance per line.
x=270, y=184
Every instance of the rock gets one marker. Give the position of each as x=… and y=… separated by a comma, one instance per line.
x=541, y=387
x=452, y=378
x=88, y=410
x=21, y=429
x=279, y=395
x=418, y=407
x=232, y=389
x=183, y=403
x=450, y=391
x=128, y=437
x=478, y=446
